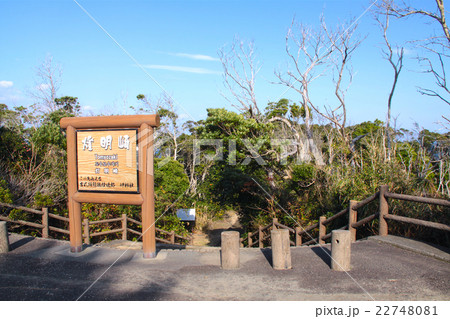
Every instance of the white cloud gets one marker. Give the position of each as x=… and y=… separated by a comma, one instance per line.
x=43, y=86
x=180, y=69
x=6, y=84
x=405, y=51
x=87, y=108
x=195, y=56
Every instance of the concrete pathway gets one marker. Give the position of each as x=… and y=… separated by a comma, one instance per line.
x=38, y=269
x=419, y=247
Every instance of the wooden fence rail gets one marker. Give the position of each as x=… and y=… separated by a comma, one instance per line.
x=45, y=219
x=171, y=236
x=261, y=235
x=417, y=199
x=125, y=230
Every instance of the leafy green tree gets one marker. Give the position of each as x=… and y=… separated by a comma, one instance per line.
x=5, y=193
x=171, y=183
x=171, y=186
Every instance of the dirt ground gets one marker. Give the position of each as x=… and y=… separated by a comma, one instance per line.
x=210, y=235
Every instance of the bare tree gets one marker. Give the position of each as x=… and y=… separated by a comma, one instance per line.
x=344, y=43
x=314, y=50
x=439, y=75
x=403, y=10
x=435, y=45
x=395, y=59
x=240, y=69
x=47, y=84
x=309, y=46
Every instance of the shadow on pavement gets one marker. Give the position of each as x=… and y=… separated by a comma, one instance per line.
x=145, y=291
x=324, y=254
x=267, y=252
x=20, y=243
x=215, y=235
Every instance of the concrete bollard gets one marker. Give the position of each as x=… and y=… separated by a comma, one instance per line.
x=340, y=250
x=281, y=249
x=230, y=250
x=4, y=240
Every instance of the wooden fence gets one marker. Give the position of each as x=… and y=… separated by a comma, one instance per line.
x=45, y=227
x=262, y=235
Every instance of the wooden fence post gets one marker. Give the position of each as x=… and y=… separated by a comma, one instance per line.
x=298, y=237
x=322, y=229
x=124, y=227
x=44, y=222
x=352, y=218
x=274, y=221
x=384, y=210
x=172, y=237
x=260, y=236
x=87, y=239
x=249, y=240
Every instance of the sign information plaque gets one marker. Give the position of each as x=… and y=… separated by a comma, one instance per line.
x=107, y=161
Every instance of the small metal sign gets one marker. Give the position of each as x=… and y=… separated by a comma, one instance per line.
x=107, y=161
x=187, y=214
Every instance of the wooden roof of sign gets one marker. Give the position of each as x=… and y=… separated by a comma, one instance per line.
x=115, y=121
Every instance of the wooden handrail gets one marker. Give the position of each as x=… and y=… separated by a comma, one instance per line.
x=107, y=232
x=314, y=240
x=365, y=220
x=369, y=218
x=254, y=233
x=417, y=199
x=366, y=201
x=87, y=235
x=26, y=209
x=418, y=222
x=62, y=218
x=134, y=221
x=267, y=227
x=284, y=227
x=162, y=231
x=307, y=229
x=59, y=230
x=104, y=221
x=327, y=236
x=259, y=232
x=22, y=222
x=181, y=237
x=134, y=231
x=329, y=220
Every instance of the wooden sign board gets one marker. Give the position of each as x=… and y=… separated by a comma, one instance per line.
x=107, y=161
x=110, y=161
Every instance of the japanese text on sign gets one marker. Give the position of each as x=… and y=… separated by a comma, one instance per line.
x=107, y=160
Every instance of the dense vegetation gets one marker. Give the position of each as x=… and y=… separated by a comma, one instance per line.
x=293, y=160
x=231, y=161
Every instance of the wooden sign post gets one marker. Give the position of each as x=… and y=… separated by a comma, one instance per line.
x=110, y=161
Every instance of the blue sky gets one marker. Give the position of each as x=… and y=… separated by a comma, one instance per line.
x=177, y=44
